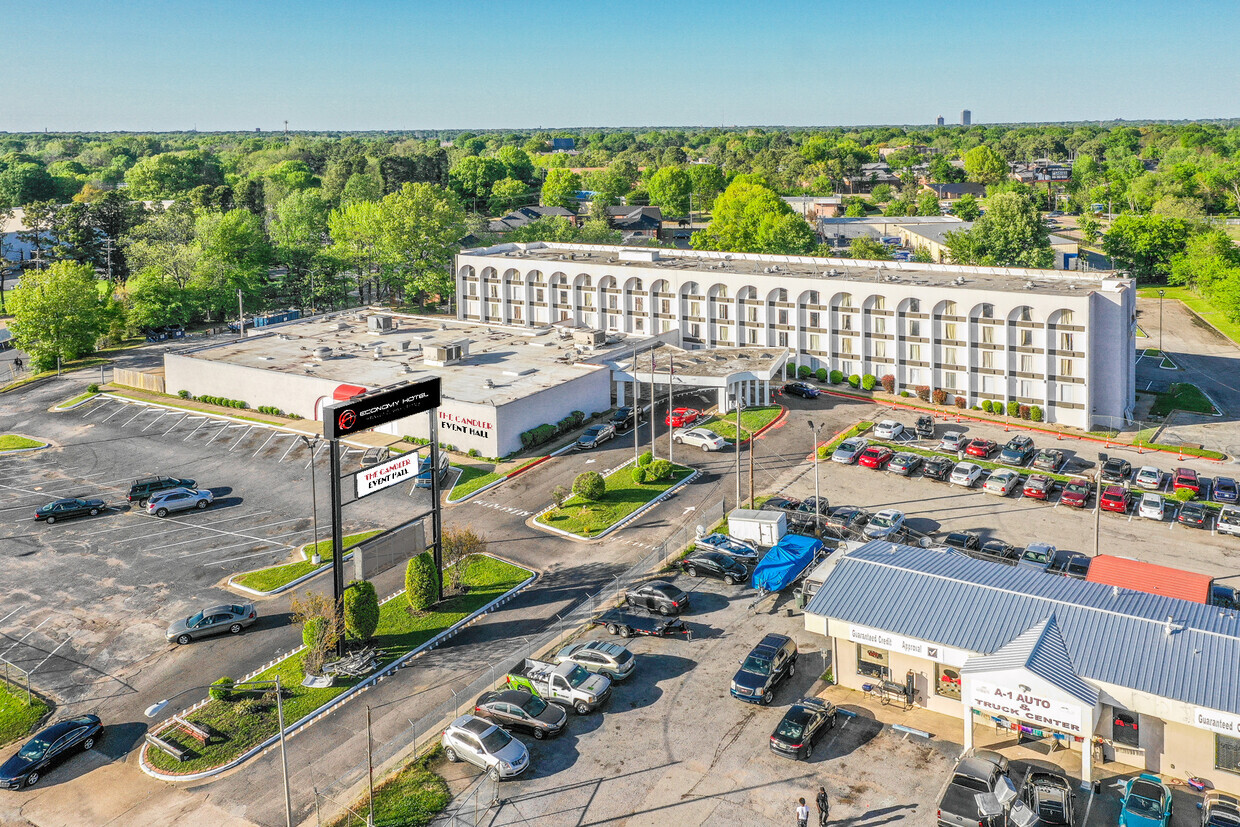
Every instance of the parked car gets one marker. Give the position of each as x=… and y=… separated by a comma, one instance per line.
x=1114, y=498
x=626, y=417
x=1116, y=469
x=958, y=806
x=602, y=657
x=938, y=468
x=1186, y=478
x=904, y=464
x=1070, y=563
x=423, y=479
x=925, y=426
x=811, y=512
x=702, y=438
x=1228, y=521
x=998, y=551
x=887, y=524
x=785, y=504
x=1224, y=596
x=848, y=450
x=801, y=727
x=888, y=429
x=1037, y=555
x=1219, y=810
x=1192, y=514
x=1224, y=490
x=876, y=456
x=142, y=489
x=1146, y=802
x=215, y=620
x=1018, y=450
x=762, y=670
x=845, y=521
x=1049, y=795
x=596, y=435
x=178, y=499
x=374, y=456
x=657, y=596
x=724, y=544
x=715, y=564
x=1076, y=493
x=566, y=684
x=521, y=711
x=1001, y=482
x=48, y=748
x=486, y=746
x=680, y=417
x=1152, y=507
x=963, y=540
x=1048, y=459
x=1038, y=486
x=981, y=448
x=952, y=441
x=1148, y=477
x=64, y=509
x=966, y=474
x=802, y=389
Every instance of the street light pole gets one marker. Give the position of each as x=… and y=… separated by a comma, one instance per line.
x=1098, y=504
x=817, y=510
x=738, y=448
x=314, y=489
x=1160, y=350
x=240, y=313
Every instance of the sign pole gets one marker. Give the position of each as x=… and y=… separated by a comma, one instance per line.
x=436, y=522
x=337, y=545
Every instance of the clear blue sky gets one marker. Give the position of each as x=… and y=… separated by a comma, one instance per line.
x=407, y=64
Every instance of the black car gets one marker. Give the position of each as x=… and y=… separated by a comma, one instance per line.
x=1049, y=795
x=63, y=509
x=938, y=468
x=810, y=513
x=1192, y=514
x=998, y=551
x=801, y=389
x=1116, y=470
x=715, y=564
x=1069, y=563
x=1017, y=451
x=801, y=726
x=787, y=505
x=142, y=489
x=772, y=660
x=518, y=710
x=657, y=596
x=845, y=521
x=49, y=748
x=963, y=540
x=626, y=417
x=1048, y=459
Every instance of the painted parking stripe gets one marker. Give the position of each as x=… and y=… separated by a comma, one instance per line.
x=264, y=445
x=187, y=525
x=94, y=409
x=224, y=429
x=199, y=539
x=314, y=457
x=222, y=531
x=159, y=418
x=141, y=411
x=274, y=540
x=49, y=654
x=294, y=444
x=175, y=424
x=241, y=438
x=10, y=614
x=23, y=637
x=205, y=421
x=119, y=408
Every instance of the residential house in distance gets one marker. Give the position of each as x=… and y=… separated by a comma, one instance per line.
x=527, y=215
x=563, y=144
x=636, y=223
x=813, y=207
x=870, y=176
x=953, y=192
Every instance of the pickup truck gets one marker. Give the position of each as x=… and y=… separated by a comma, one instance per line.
x=627, y=624
x=972, y=777
x=567, y=684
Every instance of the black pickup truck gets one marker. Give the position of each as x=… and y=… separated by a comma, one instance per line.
x=627, y=624
x=973, y=776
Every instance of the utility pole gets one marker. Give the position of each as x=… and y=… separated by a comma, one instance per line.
x=1098, y=503
x=241, y=312
x=637, y=409
x=653, y=453
x=671, y=426
x=738, y=450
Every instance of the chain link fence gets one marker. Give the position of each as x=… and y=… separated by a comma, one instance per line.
x=17, y=678
x=343, y=800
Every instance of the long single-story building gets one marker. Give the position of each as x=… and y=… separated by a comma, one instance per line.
x=1145, y=680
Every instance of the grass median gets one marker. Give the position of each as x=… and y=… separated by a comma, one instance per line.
x=241, y=723
x=474, y=477
x=273, y=577
x=17, y=717
x=752, y=419
x=621, y=498
x=411, y=797
x=15, y=442
x=1182, y=397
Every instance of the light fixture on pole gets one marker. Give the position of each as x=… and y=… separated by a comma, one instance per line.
x=314, y=494
x=1161, y=293
x=817, y=508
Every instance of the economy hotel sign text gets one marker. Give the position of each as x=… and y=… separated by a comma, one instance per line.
x=370, y=410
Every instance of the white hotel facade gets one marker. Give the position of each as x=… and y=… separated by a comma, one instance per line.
x=1062, y=340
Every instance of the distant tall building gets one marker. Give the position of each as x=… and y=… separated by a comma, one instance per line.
x=939, y=121
x=966, y=117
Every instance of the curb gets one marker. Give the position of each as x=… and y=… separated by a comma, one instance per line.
x=62, y=408
x=313, y=716
x=286, y=586
x=510, y=475
x=783, y=414
x=46, y=444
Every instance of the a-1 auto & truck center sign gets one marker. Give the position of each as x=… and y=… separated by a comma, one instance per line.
x=375, y=408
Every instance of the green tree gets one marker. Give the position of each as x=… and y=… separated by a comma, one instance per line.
x=472, y=178
x=234, y=255
x=57, y=312
x=459, y=544
x=298, y=233
x=854, y=208
x=422, y=227
x=708, y=182
x=517, y=163
x=24, y=183
x=942, y=171
x=589, y=485
x=1210, y=264
x=560, y=187
x=751, y=218
x=882, y=193
x=1010, y=234
x=966, y=207
x=1145, y=244
x=361, y=187
x=507, y=195
x=421, y=582
x=164, y=244
x=1090, y=229
x=868, y=248
x=983, y=165
x=361, y=610
x=357, y=234
x=928, y=204
x=669, y=188
x=170, y=174
x=153, y=298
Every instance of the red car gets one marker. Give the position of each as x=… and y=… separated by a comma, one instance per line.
x=1076, y=493
x=1114, y=498
x=681, y=417
x=981, y=448
x=1038, y=486
x=1186, y=478
x=876, y=456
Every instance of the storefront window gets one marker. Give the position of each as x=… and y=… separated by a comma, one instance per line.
x=872, y=662
x=1124, y=729
x=947, y=681
x=1227, y=753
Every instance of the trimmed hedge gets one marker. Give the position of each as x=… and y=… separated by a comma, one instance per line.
x=960, y=402
x=638, y=474
x=589, y=485
x=821, y=374
x=923, y=392
x=868, y=381
x=854, y=381
x=837, y=376
x=660, y=469
x=270, y=409
x=1013, y=408
x=222, y=689
x=420, y=582
x=804, y=372
x=1036, y=413
x=988, y=406
x=645, y=459
x=223, y=402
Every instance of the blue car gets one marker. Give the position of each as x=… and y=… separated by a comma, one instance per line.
x=1225, y=490
x=1146, y=802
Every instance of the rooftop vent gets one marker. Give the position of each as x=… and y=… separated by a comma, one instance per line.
x=403, y=345
x=487, y=383
x=342, y=325
x=1028, y=285
x=378, y=324
x=323, y=352
x=378, y=354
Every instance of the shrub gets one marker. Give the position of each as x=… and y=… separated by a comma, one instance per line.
x=474, y=452
x=361, y=610
x=183, y=394
x=988, y=406
x=559, y=494
x=660, y=469
x=1036, y=413
x=1013, y=408
x=868, y=381
x=532, y=437
x=93, y=387
x=889, y=383
x=224, y=691
x=1183, y=494
x=939, y=396
x=638, y=474
x=1025, y=411
x=803, y=372
x=960, y=403
x=905, y=394
x=790, y=369
x=821, y=374
x=923, y=392
x=645, y=459
x=836, y=376
x=854, y=381
x=589, y=485
x=420, y=582
x=823, y=453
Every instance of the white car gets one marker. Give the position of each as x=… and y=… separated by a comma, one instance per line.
x=888, y=429
x=952, y=441
x=966, y=474
x=1148, y=477
x=885, y=525
x=849, y=450
x=1152, y=507
x=1000, y=482
x=704, y=438
x=1228, y=521
x=486, y=746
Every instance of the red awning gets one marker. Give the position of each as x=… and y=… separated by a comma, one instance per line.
x=343, y=392
x=1150, y=578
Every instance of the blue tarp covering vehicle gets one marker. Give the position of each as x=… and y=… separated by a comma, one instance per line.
x=785, y=562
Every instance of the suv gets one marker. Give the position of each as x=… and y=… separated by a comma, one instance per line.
x=178, y=499
x=486, y=746
x=141, y=490
x=1116, y=470
x=1017, y=452
x=600, y=657
x=1229, y=521
x=772, y=660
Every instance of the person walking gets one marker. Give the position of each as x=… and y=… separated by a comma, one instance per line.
x=824, y=807
x=802, y=814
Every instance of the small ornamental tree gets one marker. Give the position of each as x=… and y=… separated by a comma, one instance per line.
x=821, y=374
x=923, y=392
x=319, y=629
x=420, y=582
x=221, y=690
x=1036, y=413
x=889, y=383
x=790, y=370
x=868, y=381
x=1024, y=411
x=960, y=402
x=361, y=608
x=638, y=474
x=589, y=485
x=645, y=459
x=660, y=469
x=459, y=544
x=939, y=396
x=559, y=494
x=1013, y=408
x=837, y=376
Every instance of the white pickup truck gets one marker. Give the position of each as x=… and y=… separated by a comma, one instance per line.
x=567, y=684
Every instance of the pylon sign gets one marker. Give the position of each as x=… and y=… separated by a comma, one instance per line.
x=374, y=408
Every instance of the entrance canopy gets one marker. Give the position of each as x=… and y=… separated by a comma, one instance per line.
x=739, y=373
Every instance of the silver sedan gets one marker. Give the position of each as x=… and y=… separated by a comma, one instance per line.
x=178, y=499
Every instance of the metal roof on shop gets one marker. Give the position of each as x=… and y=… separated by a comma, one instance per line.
x=1150, y=577
x=1167, y=647
x=1042, y=651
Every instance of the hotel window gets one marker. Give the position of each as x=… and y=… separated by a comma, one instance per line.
x=782, y=295
x=1065, y=367
x=723, y=310
x=753, y=336
x=563, y=297
x=1026, y=315
x=880, y=325
x=846, y=345
x=880, y=303
x=947, y=681
x=1026, y=363
x=1227, y=753
x=473, y=288
x=914, y=353
x=846, y=300
x=988, y=335
x=1065, y=342
x=722, y=294
x=949, y=331
x=988, y=384
x=846, y=322
x=753, y=314
x=872, y=662
x=723, y=334
x=1067, y=393
x=949, y=356
x=666, y=305
x=695, y=332
x=949, y=381
x=538, y=294
x=639, y=324
x=880, y=350
x=815, y=341
x=494, y=291
x=813, y=297
x=695, y=309
x=988, y=358
x=1025, y=388
x=988, y=311
x=1065, y=317
x=639, y=304
x=516, y=313
x=667, y=325
x=914, y=328
x=783, y=317
x=611, y=302
x=1026, y=338
x=949, y=309
x=587, y=300
x=1124, y=729
x=783, y=338
x=813, y=320
x=914, y=306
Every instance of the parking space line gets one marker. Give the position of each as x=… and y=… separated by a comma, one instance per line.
x=94, y=409
x=199, y=539
x=241, y=439
x=141, y=410
x=221, y=531
x=200, y=424
x=119, y=408
x=174, y=425
x=23, y=637
x=264, y=445
x=251, y=538
x=10, y=614
x=271, y=540
x=295, y=443
x=49, y=655
x=160, y=418
x=315, y=455
x=187, y=525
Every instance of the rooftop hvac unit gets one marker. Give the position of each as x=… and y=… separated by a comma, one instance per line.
x=442, y=355
x=322, y=353
x=403, y=344
x=342, y=325
x=589, y=338
x=378, y=324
